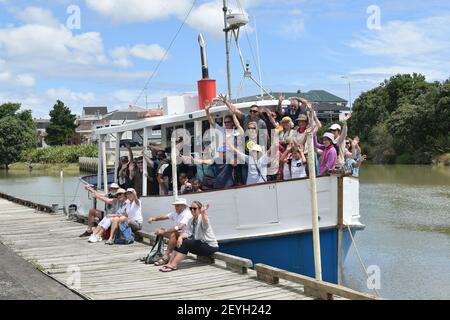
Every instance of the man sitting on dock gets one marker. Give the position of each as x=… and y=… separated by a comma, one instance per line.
x=181, y=217
x=110, y=200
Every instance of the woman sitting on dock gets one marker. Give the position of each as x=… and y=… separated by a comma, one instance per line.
x=131, y=213
x=200, y=240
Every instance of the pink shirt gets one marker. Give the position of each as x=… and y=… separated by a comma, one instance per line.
x=327, y=159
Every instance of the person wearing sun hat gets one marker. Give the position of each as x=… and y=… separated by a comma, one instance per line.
x=340, y=135
x=110, y=200
x=106, y=222
x=288, y=132
x=329, y=155
x=180, y=216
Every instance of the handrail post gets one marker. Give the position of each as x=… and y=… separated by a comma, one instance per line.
x=314, y=207
x=174, y=166
x=105, y=169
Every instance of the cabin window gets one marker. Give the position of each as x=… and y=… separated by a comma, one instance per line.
x=205, y=126
x=169, y=131
x=191, y=130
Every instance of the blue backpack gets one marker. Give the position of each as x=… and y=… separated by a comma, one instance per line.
x=125, y=235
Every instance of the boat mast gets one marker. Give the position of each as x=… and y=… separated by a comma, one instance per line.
x=227, y=45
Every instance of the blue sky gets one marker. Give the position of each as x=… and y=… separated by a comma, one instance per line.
x=304, y=44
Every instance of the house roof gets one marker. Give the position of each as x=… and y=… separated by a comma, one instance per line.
x=130, y=113
x=313, y=96
x=93, y=111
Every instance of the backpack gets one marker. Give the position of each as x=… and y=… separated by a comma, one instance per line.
x=125, y=235
x=156, y=252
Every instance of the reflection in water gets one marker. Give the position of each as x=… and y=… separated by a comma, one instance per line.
x=40, y=186
x=406, y=210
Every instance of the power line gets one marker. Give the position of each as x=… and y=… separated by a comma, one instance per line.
x=165, y=53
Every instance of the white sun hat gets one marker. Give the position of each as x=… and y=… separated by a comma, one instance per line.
x=180, y=201
x=329, y=135
x=336, y=127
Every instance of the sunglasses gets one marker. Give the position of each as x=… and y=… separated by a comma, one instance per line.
x=228, y=122
x=251, y=128
x=254, y=111
x=193, y=208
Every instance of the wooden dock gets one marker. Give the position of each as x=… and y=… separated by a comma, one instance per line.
x=97, y=271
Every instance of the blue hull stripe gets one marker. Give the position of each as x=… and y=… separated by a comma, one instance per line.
x=293, y=252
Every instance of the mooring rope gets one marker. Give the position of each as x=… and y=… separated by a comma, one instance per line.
x=360, y=258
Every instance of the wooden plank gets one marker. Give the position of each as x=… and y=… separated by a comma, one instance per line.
x=320, y=286
x=114, y=272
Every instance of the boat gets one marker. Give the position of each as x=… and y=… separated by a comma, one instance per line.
x=269, y=222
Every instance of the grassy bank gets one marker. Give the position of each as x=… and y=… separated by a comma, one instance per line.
x=52, y=167
x=62, y=154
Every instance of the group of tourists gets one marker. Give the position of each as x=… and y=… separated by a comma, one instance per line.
x=191, y=231
x=261, y=146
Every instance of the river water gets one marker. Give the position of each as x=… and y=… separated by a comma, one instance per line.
x=406, y=210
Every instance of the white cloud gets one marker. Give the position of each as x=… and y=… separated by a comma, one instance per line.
x=294, y=26
x=148, y=52
x=409, y=46
x=30, y=43
x=36, y=15
x=5, y=76
x=69, y=96
x=25, y=80
x=138, y=10
x=120, y=57
x=207, y=18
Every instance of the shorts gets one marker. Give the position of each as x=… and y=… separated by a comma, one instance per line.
x=105, y=223
x=134, y=225
x=196, y=247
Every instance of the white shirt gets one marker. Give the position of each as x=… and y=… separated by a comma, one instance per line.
x=297, y=170
x=134, y=211
x=182, y=218
x=254, y=176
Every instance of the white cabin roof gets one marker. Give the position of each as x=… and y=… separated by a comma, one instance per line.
x=174, y=119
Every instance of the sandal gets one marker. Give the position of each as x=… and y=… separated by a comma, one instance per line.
x=162, y=261
x=167, y=269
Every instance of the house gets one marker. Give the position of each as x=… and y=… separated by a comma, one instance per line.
x=41, y=126
x=91, y=118
x=328, y=106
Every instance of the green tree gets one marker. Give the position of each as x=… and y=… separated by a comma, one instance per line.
x=9, y=109
x=15, y=137
x=62, y=124
x=405, y=119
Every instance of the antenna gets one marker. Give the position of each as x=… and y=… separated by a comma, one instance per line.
x=233, y=22
x=258, y=56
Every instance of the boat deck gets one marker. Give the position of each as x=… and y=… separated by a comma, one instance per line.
x=51, y=243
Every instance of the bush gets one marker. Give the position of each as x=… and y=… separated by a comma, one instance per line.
x=63, y=154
